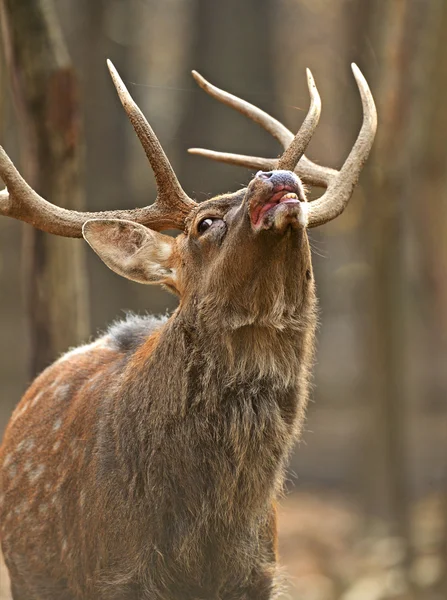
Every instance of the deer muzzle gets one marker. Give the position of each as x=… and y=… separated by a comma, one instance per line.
x=277, y=201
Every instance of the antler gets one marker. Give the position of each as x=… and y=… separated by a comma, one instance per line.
x=169, y=211
x=297, y=147
x=339, y=184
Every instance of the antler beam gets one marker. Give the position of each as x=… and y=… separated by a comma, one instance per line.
x=169, y=211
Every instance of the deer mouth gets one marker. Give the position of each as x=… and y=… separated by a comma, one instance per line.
x=286, y=198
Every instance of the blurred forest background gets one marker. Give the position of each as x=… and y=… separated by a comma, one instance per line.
x=365, y=517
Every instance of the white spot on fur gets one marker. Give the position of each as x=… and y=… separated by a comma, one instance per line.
x=100, y=343
x=36, y=473
x=57, y=424
x=26, y=445
x=19, y=411
x=62, y=392
x=43, y=509
x=56, y=445
x=7, y=460
x=21, y=507
x=74, y=447
x=94, y=381
x=54, y=383
x=36, y=399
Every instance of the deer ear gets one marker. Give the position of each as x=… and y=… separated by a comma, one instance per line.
x=132, y=250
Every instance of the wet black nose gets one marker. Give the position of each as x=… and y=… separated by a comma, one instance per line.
x=276, y=178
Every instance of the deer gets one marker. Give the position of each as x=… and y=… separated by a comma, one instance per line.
x=148, y=463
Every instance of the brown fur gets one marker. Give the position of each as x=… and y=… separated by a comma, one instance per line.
x=147, y=465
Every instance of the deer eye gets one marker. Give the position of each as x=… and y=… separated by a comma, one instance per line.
x=206, y=224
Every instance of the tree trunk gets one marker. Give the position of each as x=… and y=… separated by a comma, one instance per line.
x=388, y=323
x=428, y=160
x=46, y=100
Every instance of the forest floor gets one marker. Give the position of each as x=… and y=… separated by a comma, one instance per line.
x=331, y=552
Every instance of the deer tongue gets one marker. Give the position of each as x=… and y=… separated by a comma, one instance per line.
x=283, y=196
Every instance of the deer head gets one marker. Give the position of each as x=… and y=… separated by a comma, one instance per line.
x=247, y=248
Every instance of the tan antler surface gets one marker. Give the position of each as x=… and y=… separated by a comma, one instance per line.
x=339, y=190
x=306, y=169
x=169, y=211
x=170, y=192
x=274, y=127
x=339, y=184
x=298, y=146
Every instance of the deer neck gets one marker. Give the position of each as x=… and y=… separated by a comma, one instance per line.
x=207, y=431
x=197, y=355
x=255, y=340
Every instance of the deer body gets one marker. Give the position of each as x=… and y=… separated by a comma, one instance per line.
x=173, y=477
x=146, y=465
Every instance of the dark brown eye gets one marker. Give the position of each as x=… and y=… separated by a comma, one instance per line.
x=206, y=224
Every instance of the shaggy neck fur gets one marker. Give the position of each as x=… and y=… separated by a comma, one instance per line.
x=203, y=461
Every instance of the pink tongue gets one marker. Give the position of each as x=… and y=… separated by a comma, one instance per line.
x=276, y=199
x=263, y=210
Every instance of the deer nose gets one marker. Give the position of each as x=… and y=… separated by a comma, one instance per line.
x=278, y=177
x=264, y=174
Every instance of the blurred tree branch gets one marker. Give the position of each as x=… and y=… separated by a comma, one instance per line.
x=46, y=100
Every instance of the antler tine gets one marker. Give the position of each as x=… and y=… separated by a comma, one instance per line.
x=336, y=197
x=170, y=192
x=296, y=149
x=309, y=172
x=169, y=211
x=274, y=127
